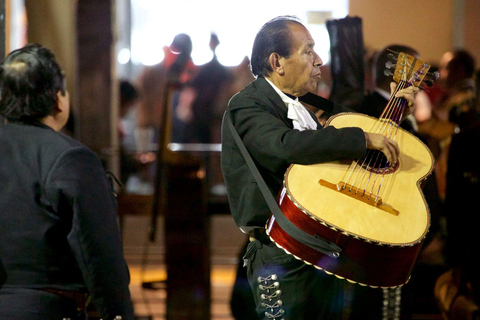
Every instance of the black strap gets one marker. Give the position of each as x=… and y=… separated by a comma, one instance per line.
x=314, y=242
x=317, y=102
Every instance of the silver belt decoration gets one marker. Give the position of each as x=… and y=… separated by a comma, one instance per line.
x=270, y=297
x=391, y=303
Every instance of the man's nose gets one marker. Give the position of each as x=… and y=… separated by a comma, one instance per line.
x=318, y=61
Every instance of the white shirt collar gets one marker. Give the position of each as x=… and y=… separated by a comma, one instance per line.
x=300, y=116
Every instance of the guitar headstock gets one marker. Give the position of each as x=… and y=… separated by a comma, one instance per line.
x=410, y=70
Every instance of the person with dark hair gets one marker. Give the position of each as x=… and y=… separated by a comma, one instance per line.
x=458, y=289
x=454, y=111
x=176, y=68
x=277, y=130
x=60, y=244
x=128, y=97
x=208, y=91
x=375, y=101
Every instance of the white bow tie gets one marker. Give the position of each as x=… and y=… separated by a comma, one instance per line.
x=301, y=118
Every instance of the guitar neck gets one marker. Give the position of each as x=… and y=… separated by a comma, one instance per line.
x=395, y=106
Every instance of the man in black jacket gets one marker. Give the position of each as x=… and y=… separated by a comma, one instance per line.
x=59, y=238
x=277, y=131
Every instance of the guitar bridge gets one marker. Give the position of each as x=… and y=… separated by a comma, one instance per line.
x=361, y=195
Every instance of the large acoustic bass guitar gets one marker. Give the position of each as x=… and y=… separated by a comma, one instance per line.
x=373, y=210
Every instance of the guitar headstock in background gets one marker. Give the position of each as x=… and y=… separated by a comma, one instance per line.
x=410, y=70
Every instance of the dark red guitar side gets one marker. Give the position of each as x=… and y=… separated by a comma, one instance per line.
x=362, y=262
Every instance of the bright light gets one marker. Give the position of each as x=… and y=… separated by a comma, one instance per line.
x=155, y=23
x=123, y=56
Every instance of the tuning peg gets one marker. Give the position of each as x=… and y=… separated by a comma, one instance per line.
x=392, y=56
x=389, y=64
x=434, y=75
x=387, y=72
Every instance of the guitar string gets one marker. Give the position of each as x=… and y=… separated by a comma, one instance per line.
x=395, y=115
x=380, y=172
x=388, y=125
x=363, y=165
x=391, y=115
x=400, y=108
x=399, y=111
x=378, y=127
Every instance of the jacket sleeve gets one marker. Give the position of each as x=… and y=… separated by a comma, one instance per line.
x=84, y=193
x=266, y=135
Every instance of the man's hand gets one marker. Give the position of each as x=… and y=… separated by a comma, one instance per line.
x=387, y=146
x=409, y=95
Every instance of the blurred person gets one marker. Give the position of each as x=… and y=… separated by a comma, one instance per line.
x=129, y=98
x=454, y=111
x=458, y=289
x=60, y=244
x=457, y=105
x=176, y=68
x=210, y=91
x=376, y=99
x=278, y=131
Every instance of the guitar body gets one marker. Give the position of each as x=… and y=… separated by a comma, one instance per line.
x=380, y=234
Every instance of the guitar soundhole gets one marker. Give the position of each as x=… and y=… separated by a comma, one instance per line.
x=377, y=163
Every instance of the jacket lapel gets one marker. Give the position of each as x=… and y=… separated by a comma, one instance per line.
x=274, y=100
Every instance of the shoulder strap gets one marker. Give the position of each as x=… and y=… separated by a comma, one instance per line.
x=315, y=242
x=317, y=102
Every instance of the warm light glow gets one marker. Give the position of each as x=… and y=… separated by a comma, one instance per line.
x=155, y=23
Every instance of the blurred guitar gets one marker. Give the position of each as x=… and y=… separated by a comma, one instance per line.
x=373, y=210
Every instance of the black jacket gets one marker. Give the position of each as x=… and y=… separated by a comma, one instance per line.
x=260, y=117
x=58, y=226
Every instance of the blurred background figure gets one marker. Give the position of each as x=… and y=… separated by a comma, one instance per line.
x=126, y=129
x=176, y=68
x=209, y=93
x=454, y=109
x=458, y=289
x=376, y=100
x=154, y=83
x=129, y=99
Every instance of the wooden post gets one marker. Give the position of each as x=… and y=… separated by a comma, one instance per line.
x=187, y=248
x=2, y=38
x=180, y=195
x=95, y=78
x=2, y=29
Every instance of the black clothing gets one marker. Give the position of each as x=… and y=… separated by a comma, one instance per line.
x=58, y=227
x=209, y=84
x=463, y=202
x=283, y=287
x=287, y=288
x=374, y=104
x=260, y=118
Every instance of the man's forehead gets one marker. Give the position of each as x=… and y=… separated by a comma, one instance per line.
x=301, y=36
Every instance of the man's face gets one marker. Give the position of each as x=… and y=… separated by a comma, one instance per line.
x=302, y=68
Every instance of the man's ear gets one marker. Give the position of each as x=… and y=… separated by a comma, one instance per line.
x=59, y=106
x=275, y=63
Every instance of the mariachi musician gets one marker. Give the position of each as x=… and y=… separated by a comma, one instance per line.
x=277, y=131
